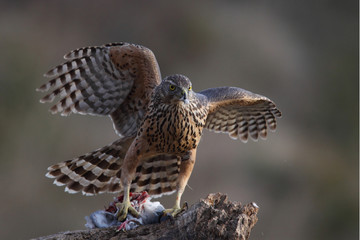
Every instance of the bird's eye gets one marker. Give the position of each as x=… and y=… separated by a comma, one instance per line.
x=190, y=88
x=172, y=87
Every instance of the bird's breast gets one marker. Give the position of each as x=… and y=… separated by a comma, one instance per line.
x=175, y=128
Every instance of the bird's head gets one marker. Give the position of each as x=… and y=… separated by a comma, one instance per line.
x=175, y=89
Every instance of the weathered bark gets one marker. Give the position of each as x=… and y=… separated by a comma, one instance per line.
x=212, y=218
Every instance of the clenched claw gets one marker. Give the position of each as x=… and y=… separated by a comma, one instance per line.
x=123, y=209
x=175, y=210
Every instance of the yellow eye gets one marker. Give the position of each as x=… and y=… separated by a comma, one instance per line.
x=190, y=88
x=172, y=87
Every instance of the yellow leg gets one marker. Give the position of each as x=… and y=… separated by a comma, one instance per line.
x=128, y=169
x=125, y=206
x=175, y=210
x=186, y=168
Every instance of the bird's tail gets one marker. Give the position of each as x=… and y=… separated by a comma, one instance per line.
x=100, y=171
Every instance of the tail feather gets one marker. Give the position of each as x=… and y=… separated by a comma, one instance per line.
x=100, y=172
x=92, y=172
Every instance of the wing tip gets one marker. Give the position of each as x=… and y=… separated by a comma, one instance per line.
x=68, y=55
x=48, y=98
x=57, y=183
x=40, y=89
x=69, y=190
x=88, y=194
x=49, y=175
x=278, y=113
x=49, y=74
x=244, y=139
x=255, y=139
x=43, y=88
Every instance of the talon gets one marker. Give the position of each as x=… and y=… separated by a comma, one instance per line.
x=184, y=207
x=123, y=209
x=174, y=211
x=134, y=212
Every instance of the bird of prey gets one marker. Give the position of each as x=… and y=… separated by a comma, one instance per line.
x=159, y=121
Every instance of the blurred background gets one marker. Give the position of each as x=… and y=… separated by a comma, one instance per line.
x=301, y=54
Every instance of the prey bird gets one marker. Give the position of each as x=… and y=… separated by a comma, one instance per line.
x=159, y=121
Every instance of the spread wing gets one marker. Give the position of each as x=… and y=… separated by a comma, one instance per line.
x=114, y=79
x=240, y=113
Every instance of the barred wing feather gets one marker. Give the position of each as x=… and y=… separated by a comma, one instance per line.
x=240, y=113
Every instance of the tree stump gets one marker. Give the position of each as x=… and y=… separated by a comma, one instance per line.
x=212, y=218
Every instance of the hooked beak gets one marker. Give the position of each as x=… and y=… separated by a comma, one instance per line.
x=185, y=97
